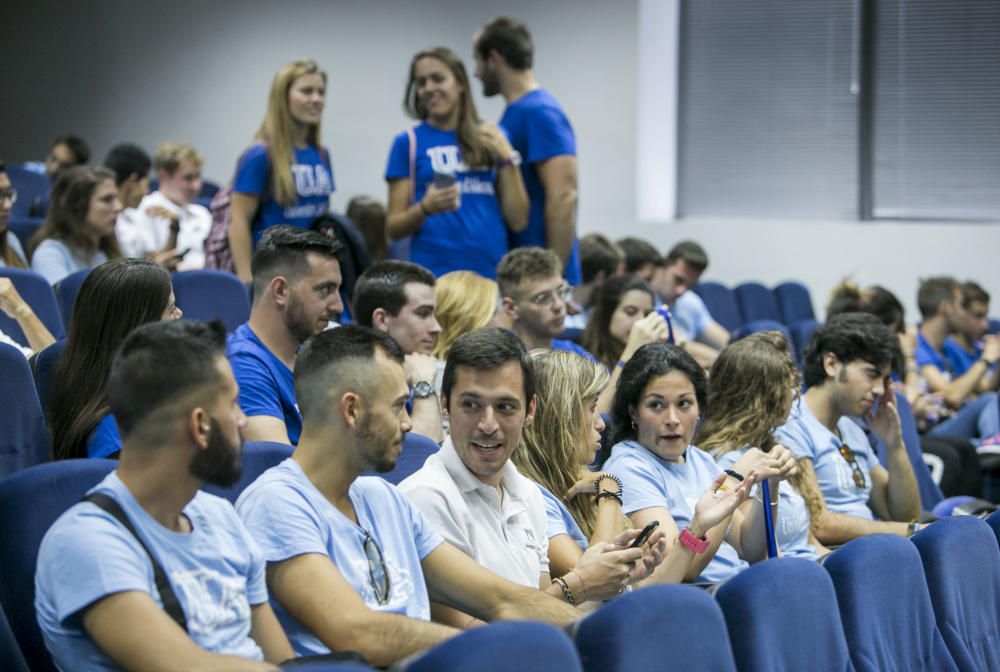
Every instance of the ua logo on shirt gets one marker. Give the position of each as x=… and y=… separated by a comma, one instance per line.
x=311, y=180
x=211, y=600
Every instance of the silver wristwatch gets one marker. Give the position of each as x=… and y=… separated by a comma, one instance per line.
x=423, y=389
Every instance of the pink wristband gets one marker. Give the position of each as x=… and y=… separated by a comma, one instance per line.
x=694, y=543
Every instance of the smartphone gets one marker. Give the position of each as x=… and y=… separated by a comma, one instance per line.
x=182, y=253
x=644, y=535
x=444, y=180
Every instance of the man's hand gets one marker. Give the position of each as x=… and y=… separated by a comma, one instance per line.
x=11, y=302
x=605, y=569
x=653, y=551
x=160, y=211
x=991, y=349
x=420, y=367
x=885, y=422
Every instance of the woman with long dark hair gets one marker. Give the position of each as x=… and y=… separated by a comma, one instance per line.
x=115, y=298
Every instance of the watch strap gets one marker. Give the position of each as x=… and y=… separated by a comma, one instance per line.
x=694, y=543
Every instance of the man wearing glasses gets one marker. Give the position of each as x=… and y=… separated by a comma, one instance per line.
x=535, y=296
x=847, y=375
x=352, y=565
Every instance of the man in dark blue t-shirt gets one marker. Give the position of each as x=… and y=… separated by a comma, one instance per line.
x=541, y=133
x=296, y=290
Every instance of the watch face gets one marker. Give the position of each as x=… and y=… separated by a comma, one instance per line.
x=423, y=389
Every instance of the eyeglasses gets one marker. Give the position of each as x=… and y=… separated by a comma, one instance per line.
x=856, y=473
x=546, y=298
x=377, y=572
x=8, y=194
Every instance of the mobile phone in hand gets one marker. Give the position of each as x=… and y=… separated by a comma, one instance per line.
x=644, y=535
x=444, y=180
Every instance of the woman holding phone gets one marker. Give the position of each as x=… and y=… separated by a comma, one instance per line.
x=454, y=181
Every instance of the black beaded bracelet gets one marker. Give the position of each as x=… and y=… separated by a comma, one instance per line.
x=567, y=593
x=597, y=482
x=607, y=493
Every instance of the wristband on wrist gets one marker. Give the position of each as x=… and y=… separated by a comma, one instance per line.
x=688, y=539
x=583, y=585
x=620, y=364
x=567, y=593
x=597, y=483
x=734, y=474
x=423, y=209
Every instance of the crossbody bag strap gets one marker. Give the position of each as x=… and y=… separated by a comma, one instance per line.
x=413, y=164
x=171, y=605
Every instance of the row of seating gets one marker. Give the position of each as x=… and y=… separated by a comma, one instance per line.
x=877, y=603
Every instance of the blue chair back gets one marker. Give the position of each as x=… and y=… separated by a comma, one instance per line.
x=962, y=565
x=794, y=302
x=930, y=492
x=802, y=332
x=210, y=294
x=24, y=228
x=45, y=365
x=37, y=293
x=66, y=291
x=756, y=302
x=756, y=326
x=24, y=437
x=10, y=652
x=994, y=326
x=507, y=646
x=993, y=520
x=721, y=303
x=30, y=186
x=258, y=457
x=30, y=501
x=885, y=608
x=631, y=633
x=802, y=625
x=416, y=449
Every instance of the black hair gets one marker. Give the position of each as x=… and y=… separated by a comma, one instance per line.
x=510, y=39
x=159, y=363
x=597, y=338
x=691, y=253
x=849, y=336
x=877, y=300
x=127, y=159
x=487, y=349
x=597, y=254
x=282, y=251
x=76, y=145
x=932, y=292
x=383, y=285
x=319, y=364
x=648, y=362
x=973, y=293
x=639, y=253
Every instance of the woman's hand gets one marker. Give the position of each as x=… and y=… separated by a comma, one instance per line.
x=719, y=502
x=650, y=329
x=585, y=486
x=788, y=466
x=495, y=141
x=437, y=200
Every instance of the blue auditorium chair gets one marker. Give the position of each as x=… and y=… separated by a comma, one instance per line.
x=802, y=332
x=30, y=187
x=45, y=364
x=993, y=520
x=885, y=607
x=66, y=291
x=755, y=326
x=994, y=326
x=507, y=646
x=210, y=294
x=416, y=449
x=794, y=302
x=37, y=293
x=30, y=501
x=801, y=629
x=302, y=665
x=258, y=457
x=962, y=566
x=24, y=437
x=10, y=652
x=24, y=228
x=721, y=303
x=659, y=628
x=756, y=302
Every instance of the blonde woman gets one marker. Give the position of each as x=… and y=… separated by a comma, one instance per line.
x=465, y=301
x=285, y=177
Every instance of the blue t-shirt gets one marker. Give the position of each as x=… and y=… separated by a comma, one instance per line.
x=960, y=359
x=104, y=440
x=288, y=516
x=216, y=571
x=806, y=437
x=560, y=521
x=792, y=526
x=539, y=130
x=650, y=481
x=570, y=346
x=472, y=238
x=267, y=386
x=926, y=355
x=691, y=314
x=313, y=177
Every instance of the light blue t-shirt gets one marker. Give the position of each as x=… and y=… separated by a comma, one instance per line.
x=267, y=386
x=54, y=260
x=216, y=571
x=650, y=481
x=288, y=516
x=15, y=245
x=806, y=437
x=104, y=440
x=691, y=314
x=792, y=526
x=558, y=520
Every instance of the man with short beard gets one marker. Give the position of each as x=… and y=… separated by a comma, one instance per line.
x=296, y=290
x=98, y=604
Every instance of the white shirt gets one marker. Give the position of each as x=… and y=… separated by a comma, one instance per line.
x=507, y=538
x=140, y=234
x=4, y=338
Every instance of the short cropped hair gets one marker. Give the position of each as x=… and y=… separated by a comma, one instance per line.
x=691, y=253
x=639, y=253
x=329, y=360
x=973, y=293
x=160, y=363
x=510, y=39
x=77, y=145
x=127, y=159
x=849, y=336
x=487, y=349
x=932, y=292
x=282, y=251
x=597, y=254
x=523, y=263
x=169, y=155
x=383, y=285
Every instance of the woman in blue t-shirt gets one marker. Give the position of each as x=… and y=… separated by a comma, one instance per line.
x=116, y=297
x=285, y=177
x=754, y=382
x=454, y=182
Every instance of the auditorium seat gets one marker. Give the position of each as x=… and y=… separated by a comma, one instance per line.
x=756, y=302
x=885, y=607
x=30, y=187
x=416, y=449
x=24, y=437
x=37, y=293
x=659, y=628
x=258, y=457
x=794, y=302
x=24, y=228
x=66, y=291
x=10, y=652
x=506, y=646
x=30, y=501
x=993, y=520
x=962, y=565
x=802, y=332
x=930, y=493
x=209, y=294
x=45, y=364
x=755, y=326
x=721, y=303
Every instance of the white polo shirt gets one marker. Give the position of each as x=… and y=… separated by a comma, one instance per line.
x=507, y=538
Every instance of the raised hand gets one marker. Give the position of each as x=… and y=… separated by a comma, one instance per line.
x=717, y=503
x=885, y=422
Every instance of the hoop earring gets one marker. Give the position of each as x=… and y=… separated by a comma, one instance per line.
x=634, y=426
